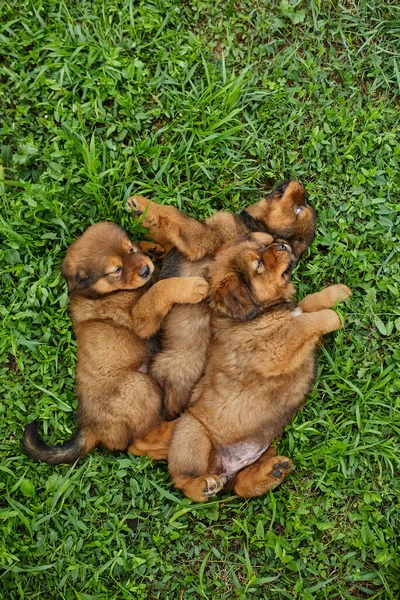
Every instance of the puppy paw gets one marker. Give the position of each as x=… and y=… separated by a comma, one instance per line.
x=144, y=329
x=139, y=206
x=263, y=239
x=155, y=251
x=212, y=485
x=330, y=320
x=263, y=476
x=338, y=293
x=194, y=291
x=281, y=468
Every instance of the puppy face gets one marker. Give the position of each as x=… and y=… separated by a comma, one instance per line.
x=104, y=260
x=288, y=216
x=250, y=275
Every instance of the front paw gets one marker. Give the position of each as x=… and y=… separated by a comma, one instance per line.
x=338, y=293
x=331, y=321
x=195, y=290
x=155, y=251
x=144, y=329
x=142, y=206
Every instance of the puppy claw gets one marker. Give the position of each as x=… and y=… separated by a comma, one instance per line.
x=131, y=204
x=137, y=205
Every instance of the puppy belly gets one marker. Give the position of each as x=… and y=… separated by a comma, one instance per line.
x=231, y=459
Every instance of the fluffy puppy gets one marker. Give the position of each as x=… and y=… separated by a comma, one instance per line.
x=114, y=309
x=185, y=335
x=261, y=365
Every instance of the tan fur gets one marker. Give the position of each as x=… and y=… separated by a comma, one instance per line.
x=257, y=375
x=114, y=308
x=186, y=330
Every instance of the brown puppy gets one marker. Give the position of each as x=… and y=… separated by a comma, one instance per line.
x=185, y=334
x=114, y=309
x=261, y=365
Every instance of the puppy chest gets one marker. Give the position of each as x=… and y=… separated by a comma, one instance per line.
x=234, y=457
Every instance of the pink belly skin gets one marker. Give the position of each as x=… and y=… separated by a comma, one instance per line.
x=233, y=458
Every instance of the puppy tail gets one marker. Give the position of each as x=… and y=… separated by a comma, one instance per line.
x=79, y=445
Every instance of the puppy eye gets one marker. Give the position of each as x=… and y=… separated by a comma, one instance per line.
x=281, y=246
x=298, y=209
x=259, y=266
x=118, y=270
x=131, y=250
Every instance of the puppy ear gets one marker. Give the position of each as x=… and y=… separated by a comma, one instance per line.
x=298, y=248
x=77, y=279
x=231, y=297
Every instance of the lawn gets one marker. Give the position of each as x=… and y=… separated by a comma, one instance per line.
x=204, y=105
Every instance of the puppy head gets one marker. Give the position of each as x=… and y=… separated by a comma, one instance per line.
x=104, y=260
x=288, y=216
x=250, y=275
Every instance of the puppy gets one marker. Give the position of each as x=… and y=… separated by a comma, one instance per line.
x=185, y=336
x=261, y=365
x=114, y=309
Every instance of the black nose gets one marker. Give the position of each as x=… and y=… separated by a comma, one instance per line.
x=144, y=271
x=282, y=246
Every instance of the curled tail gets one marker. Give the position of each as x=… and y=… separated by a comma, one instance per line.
x=79, y=445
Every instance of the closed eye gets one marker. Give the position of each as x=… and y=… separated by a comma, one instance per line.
x=116, y=271
x=260, y=266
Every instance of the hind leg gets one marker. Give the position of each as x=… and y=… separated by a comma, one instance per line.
x=155, y=445
x=132, y=412
x=189, y=459
x=199, y=489
x=263, y=475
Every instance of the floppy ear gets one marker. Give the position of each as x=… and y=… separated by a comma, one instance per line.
x=231, y=297
x=298, y=248
x=77, y=279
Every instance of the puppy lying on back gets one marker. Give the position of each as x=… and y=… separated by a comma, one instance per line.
x=260, y=367
x=114, y=309
x=284, y=214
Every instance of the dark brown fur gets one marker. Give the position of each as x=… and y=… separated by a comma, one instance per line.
x=257, y=375
x=114, y=308
x=186, y=331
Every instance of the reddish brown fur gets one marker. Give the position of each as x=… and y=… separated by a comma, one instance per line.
x=258, y=371
x=186, y=330
x=114, y=309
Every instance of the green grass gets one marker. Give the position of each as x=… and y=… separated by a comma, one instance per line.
x=203, y=105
